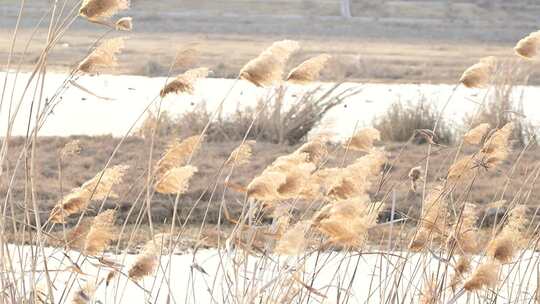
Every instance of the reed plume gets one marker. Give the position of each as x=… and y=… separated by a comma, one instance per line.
x=99, y=187
x=464, y=233
x=415, y=174
x=267, y=68
x=102, y=9
x=496, y=148
x=186, y=58
x=528, y=46
x=486, y=275
x=309, y=70
x=84, y=295
x=293, y=241
x=175, y=180
x=505, y=245
x=363, y=140
x=346, y=223
x=461, y=268
x=475, y=135
x=100, y=233
x=178, y=153
x=103, y=56
x=147, y=260
x=241, y=155
x=71, y=148
x=432, y=223
x=315, y=149
x=124, y=24
x=184, y=83
x=479, y=74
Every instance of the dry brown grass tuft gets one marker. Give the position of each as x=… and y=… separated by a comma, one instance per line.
x=267, y=68
x=175, y=180
x=104, y=56
x=309, y=70
x=528, y=46
x=100, y=233
x=475, y=135
x=184, y=83
x=124, y=24
x=102, y=9
x=486, y=275
x=479, y=74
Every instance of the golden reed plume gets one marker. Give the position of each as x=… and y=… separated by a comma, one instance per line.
x=415, y=174
x=528, y=46
x=267, y=68
x=175, y=180
x=363, y=140
x=433, y=220
x=464, y=235
x=104, y=56
x=486, y=275
x=186, y=57
x=147, y=260
x=178, y=153
x=85, y=295
x=475, y=135
x=479, y=74
x=71, y=148
x=309, y=70
x=293, y=241
x=461, y=268
x=315, y=149
x=99, y=187
x=102, y=9
x=124, y=24
x=184, y=83
x=241, y=155
x=505, y=245
x=100, y=233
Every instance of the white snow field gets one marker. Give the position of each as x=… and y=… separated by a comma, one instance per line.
x=80, y=113
x=210, y=277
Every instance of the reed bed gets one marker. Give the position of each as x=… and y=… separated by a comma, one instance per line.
x=307, y=231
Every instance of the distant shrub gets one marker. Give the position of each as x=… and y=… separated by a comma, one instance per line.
x=402, y=121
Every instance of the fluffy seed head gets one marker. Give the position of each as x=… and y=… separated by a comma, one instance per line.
x=186, y=57
x=241, y=155
x=178, y=153
x=84, y=295
x=175, y=180
x=486, y=275
x=363, y=140
x=528, y=46
x=309, y=70
x=104, y=56
x=496, y=148
x=415, y=174
x=505, y=245
x=71, y=148
x=479, y=74
x=316, y=150
x=184, y=83
x=102, y=9
x=293, y=241
x=267, y=68
x=475, y=135
x=100, y=234
x=464, y=233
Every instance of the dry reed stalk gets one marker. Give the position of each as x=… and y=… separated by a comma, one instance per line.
x=100, y=233
x=479, y=74
x=99, y=187
x=346, y=223
x=175, y=180
x=429, y=292
x=464, y=233
x=309, y=70
x=104, y=56
x=486, y=275
x=363, y=140
x=293, y=241
x=505, y=245
x=267, y=68
x=102, y=9
x=124, y=24
x=475, y=135
x=527, y=47
x=241, y=155
x=178, y=153
x=184, y=83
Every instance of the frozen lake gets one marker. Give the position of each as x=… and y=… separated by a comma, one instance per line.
x=80, y=113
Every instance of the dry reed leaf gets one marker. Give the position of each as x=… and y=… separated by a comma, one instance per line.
x=102, y=9
x=104, y=56
x=124, y=24
x=175, y=180
x=85, y=295
x=363, y=140
x=241, y=155
x=527, y=47
x=346, y=223
x=486, y=275
x=309, y=70
x=479, y=74
x=184, y=83
x=267, y=68
x=475, y=136
x=100, y=233
x=99, y=187
x=293, y=241
x=178, y=153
